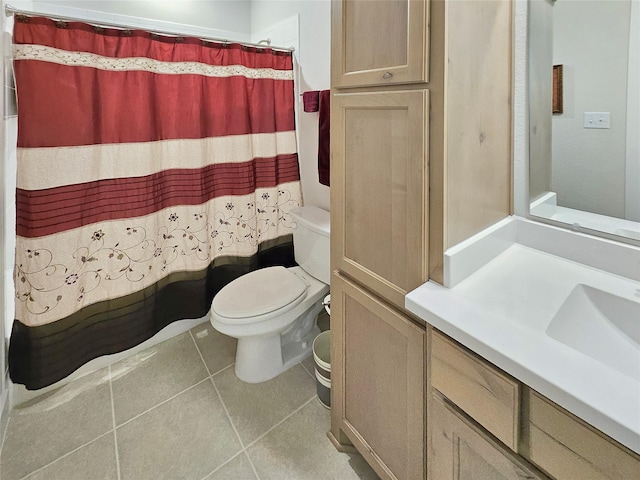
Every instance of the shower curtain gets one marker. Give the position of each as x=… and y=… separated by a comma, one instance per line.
x=152, y=170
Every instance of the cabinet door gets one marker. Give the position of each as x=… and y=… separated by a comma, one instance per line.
x=379, y=190
x=378, y=381
x=379, y=42
x=461, y=451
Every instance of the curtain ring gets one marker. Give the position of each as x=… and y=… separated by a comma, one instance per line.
x=126, y=33
x=61, y=24
x=98, y=29
x=22, y=18
x=179, y=39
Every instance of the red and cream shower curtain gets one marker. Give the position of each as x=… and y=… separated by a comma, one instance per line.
x=152, y=170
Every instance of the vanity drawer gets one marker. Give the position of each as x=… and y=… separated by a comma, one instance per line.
x=567, y=448
x=478, y=388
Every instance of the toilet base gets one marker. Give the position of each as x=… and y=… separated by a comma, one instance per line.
x=263, y=357
x=295, y=352
x=259, y=359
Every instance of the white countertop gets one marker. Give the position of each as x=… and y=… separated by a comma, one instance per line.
x=502, y=312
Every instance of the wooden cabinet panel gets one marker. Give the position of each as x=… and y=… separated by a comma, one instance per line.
x=481, y=390
x=378, y=381
x=471, y=109
x=379, y=42
x=479, y=141
x=460, y=451
x=568, y=449
x=378, y=183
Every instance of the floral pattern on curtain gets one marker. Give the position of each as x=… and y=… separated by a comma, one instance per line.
x=152, y=170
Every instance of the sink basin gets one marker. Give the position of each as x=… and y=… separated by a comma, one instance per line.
x=601, y=325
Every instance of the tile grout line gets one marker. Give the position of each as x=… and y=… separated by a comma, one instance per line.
x=242, y=448
x=234, y=456
x=223, y=369
x=280, y=422
x=66, y=454
x=246, y=449
x=199, y=353
x=163, y=402
x=226, y=411
x=211, y=374
x=253, y=467
x=113, y=418
x=177, y=394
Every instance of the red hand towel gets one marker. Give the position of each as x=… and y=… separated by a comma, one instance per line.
x=323, y=138
x=310, y=100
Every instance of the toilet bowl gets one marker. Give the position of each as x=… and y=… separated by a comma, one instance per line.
x=272, y=311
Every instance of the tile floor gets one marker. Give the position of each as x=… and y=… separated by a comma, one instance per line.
x=177, y=411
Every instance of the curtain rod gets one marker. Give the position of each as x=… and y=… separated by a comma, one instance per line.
x=10, y=10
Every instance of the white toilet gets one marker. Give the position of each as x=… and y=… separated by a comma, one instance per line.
x=272, y=311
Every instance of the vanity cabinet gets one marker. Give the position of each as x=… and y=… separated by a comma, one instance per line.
x=461, y=450
x=474, y=417
x=379, y=43
x=379, y=185
x=378, y=401
x=484, y=424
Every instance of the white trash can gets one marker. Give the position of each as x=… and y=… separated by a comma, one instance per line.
x=322, y=361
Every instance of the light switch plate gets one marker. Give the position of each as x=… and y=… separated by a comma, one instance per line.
x=597, y=120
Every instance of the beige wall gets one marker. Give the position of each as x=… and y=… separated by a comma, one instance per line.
x=229, y=15
x=540, y=67
x=591, y=41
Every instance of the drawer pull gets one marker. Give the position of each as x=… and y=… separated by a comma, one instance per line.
x=387, y=75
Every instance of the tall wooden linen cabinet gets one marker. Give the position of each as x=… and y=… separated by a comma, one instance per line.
x=420, y=160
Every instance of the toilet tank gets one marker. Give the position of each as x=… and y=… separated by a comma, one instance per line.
x=311, y=241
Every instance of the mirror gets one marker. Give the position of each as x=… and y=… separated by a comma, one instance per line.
x=584, y=114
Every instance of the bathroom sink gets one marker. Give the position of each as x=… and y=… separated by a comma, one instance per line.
x=601, y=325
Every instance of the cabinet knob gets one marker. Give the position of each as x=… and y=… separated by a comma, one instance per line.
x=387, y=75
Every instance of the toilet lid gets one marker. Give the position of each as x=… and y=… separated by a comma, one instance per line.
x=258, y=292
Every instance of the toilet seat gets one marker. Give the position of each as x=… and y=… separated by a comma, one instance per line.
x=259, y=293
